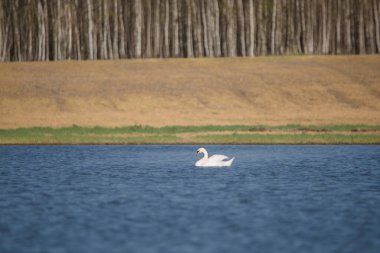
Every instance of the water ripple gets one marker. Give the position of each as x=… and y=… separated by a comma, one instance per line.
x=153, y=199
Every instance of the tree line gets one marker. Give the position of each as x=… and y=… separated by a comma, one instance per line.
x=42, y=30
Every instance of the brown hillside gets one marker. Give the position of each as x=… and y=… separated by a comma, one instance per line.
x=265, y=90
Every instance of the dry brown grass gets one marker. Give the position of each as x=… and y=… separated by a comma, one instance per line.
x=266, y=90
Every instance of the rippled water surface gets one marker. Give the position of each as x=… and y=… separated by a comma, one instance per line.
x=153, y=199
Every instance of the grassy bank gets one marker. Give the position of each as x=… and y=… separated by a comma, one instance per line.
x=238, y=134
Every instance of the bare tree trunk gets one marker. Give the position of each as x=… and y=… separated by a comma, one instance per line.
x=261, y=31
x=197, y=32
x=361, y=30
x=156, y=41
x=240, y=28
x=41, y=35
x=103, y=36
x=298, y=27
x=90, y=30
x=2, y=23
x=329, y=26
x=127, y=11
x=338, y=27
x=121, y=31
x=311, y=17
x=303, y=28
x=138, y=28
x=166, y=30
x=274, y=12
x=3, y=52
x=162, y=27
x=181, y=26
x=290, y=48
x=231, y=31
x=218, y=52
x=210, y=23
x=70, y=32
x=252, y=24
x=108, y=30
x=29, y=52
x=320, y=27
x=279, y=28
x=205, y=27
x=59, y=32
x=348, y=27
x=377, y=24
x=46, y=21
x=115, y=31
x=76, y=32
x=148, y=30
x=16, y=36
x=189, y=37
x=175, y=21
x=368, y=22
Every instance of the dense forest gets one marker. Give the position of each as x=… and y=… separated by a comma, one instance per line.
x=111, y=29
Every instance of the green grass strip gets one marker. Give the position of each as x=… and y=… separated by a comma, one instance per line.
x=290, y=139
x=291, y=134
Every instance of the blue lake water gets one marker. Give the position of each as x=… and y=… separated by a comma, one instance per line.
x=153, y=199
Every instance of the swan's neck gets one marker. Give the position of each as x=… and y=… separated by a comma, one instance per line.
x=205, y=155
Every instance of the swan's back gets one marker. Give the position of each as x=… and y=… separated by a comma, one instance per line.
x=218, y=158
x=217, y=161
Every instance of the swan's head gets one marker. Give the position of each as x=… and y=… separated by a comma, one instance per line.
x=201, y=150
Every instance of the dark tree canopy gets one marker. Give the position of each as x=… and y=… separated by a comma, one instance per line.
x=111, y=29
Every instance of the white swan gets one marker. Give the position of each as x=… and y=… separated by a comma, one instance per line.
x=213, y=161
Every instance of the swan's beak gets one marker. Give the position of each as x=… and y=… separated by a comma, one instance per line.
x=197, y=153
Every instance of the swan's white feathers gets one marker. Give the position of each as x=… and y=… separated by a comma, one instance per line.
x=217, y=158
x=213, y=161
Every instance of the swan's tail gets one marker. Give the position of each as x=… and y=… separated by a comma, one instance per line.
x=229, y=162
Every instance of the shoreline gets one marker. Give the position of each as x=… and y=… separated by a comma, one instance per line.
x=190, y=144
x=195, y=135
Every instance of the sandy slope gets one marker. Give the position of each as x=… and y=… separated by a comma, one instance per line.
x=265, y=90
